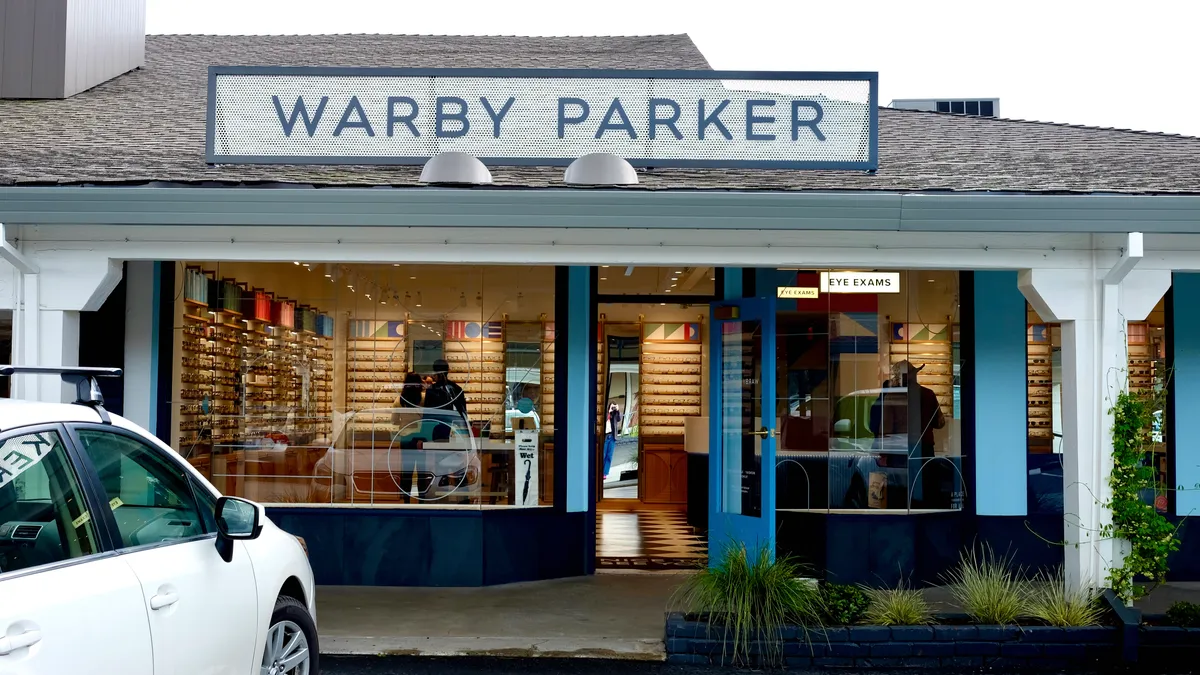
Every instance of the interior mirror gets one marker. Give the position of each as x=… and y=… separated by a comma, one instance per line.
x=236, y=519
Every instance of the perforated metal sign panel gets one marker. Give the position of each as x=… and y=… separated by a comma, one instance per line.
x=543, y=117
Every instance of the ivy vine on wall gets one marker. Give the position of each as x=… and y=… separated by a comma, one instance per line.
x=1150, y=535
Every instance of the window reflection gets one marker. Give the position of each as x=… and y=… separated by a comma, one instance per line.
x=869, y=396
x=368, y=384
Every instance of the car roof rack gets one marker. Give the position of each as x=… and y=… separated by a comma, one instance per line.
x=87, y=389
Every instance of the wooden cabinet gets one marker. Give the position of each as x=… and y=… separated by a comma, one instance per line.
x=664, y=480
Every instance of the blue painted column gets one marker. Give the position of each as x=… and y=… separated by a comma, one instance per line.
x=143, y=303
x=581, y=391
x=1186, y=381
x=1001, y=414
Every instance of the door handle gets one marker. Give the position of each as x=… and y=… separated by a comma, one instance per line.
x=769, y=433
x=163, y=600
x=11, y=644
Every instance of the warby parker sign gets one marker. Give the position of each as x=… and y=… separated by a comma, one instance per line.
x=542, y=117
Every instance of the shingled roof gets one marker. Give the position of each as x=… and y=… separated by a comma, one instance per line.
x=149, y=126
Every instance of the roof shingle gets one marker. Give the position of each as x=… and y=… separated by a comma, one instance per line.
x=149, y=125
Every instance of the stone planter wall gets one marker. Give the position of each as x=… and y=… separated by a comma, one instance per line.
x=1168, y=648
x=919, y=647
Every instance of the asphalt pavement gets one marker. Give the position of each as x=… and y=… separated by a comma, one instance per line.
x=427, y=665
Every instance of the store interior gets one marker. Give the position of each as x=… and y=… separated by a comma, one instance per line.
x=1147, y=372
x=652, y=366
x=368, y=384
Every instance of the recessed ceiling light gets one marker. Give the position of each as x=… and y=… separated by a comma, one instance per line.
x=668, y=290
x=395, y=264
x=412, y=278
x=295, y=262
x=674, y=285
x=603, y=278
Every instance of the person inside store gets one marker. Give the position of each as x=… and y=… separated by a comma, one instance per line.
x=907, y=409
x=411, y=393
x=444, y=394
x=612, y=429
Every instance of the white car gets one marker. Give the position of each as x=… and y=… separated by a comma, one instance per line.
x=116, y=556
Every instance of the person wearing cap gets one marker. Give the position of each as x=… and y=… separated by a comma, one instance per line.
x=445, y=395
x=921, y=415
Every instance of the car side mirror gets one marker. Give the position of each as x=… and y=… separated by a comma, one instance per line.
x=842, y=426
x=236, y=519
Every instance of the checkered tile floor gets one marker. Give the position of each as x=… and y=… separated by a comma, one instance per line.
x=648, y=540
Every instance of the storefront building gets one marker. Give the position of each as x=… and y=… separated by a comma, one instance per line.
x=862, y=336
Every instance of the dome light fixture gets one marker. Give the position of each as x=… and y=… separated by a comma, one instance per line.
x=599, y=169
x=455, y=168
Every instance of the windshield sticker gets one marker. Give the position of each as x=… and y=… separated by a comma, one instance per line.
x=19, y=454
x=115, y=503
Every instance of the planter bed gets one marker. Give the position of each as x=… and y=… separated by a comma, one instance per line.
x=951, y=646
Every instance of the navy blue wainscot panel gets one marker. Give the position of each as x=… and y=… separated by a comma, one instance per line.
x=323, y=534
x=531, y=544
x=397, y=547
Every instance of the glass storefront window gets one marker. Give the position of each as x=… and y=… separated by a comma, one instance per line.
x=868, y=394
x=1147, y=349
x=311, y=383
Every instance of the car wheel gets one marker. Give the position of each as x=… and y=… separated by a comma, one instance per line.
x=291, y=647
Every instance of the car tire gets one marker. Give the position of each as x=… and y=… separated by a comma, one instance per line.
x=290, y=617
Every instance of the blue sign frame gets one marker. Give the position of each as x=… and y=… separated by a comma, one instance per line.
x=871, y=78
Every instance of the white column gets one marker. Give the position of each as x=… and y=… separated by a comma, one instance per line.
x=66, y=283
x=141, y=334
x=1093, y=313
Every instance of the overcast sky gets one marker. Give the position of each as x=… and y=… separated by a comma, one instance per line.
x=1103, y=63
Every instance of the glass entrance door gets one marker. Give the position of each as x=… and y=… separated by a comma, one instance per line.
x=743, y=423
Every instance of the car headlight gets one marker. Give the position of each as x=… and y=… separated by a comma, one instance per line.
x=303, y=544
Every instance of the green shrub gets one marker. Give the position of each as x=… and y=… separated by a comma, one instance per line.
x=842, y=605
x=748, y=598
x=1184, y=615
x=987, y=588
x=1052, y=602
x=897, y=607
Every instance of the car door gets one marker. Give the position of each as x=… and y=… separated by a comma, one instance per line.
x=203, y=611
x=66, y=605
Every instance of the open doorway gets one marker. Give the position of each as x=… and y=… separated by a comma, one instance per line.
x=620, y=451
x=651, y=374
